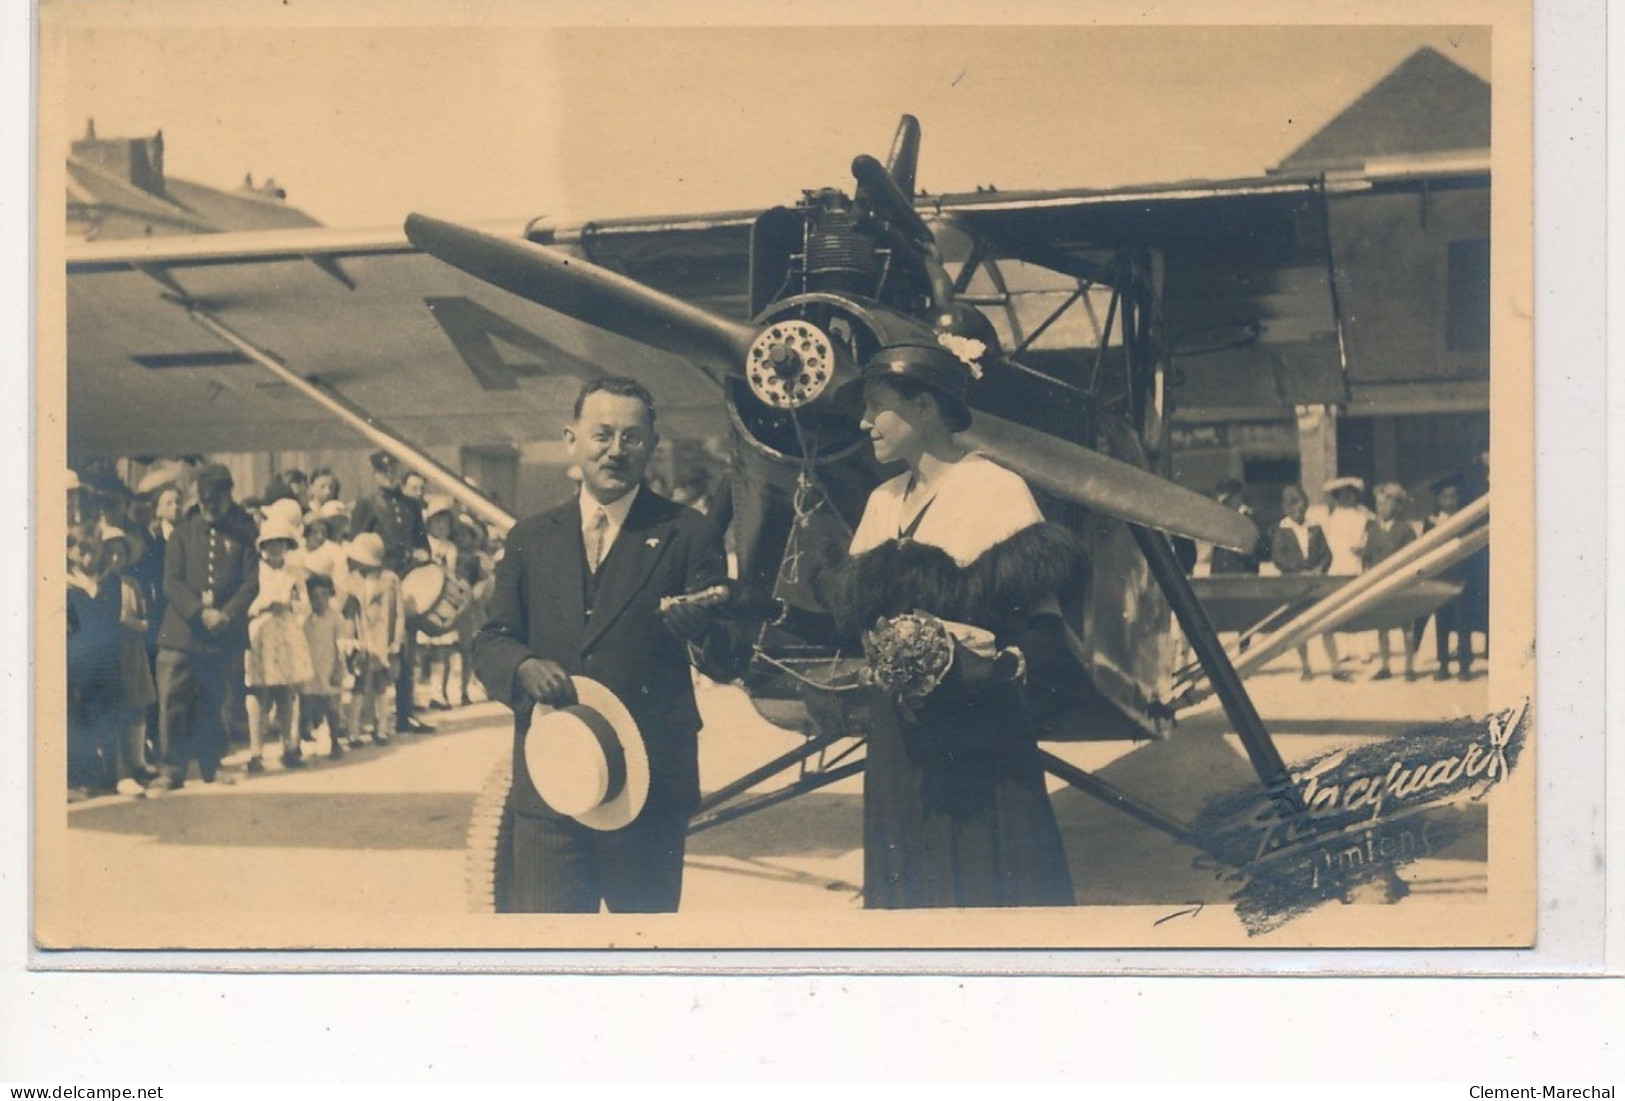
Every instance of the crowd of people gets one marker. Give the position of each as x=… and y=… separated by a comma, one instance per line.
x=1346, y=537
x=314, y=616
x=296, y=621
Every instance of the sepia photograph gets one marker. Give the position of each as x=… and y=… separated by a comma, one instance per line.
x=505, y=482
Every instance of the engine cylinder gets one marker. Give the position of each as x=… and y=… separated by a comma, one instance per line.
x=840, y=257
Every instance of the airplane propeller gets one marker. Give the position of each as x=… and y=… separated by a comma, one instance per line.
x=1108, y=485
x=589, y=293
x=726, y=349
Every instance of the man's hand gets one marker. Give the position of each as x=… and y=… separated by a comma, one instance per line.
x=546, y=681
x=689, y=622
x=692, y=615
x=213, y=619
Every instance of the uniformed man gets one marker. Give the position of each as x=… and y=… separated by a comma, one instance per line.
x=211, y=576
x=398, y=520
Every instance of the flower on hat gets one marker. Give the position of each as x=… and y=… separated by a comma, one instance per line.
x=968, y=350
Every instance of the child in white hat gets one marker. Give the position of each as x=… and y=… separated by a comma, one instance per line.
x=377, y=629
x=278, y=657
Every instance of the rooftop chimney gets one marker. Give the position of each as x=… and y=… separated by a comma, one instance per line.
x=138, y=162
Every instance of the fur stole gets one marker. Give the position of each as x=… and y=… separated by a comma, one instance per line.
x=995, y=591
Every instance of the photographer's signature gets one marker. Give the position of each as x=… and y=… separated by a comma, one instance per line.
x=1355, y=816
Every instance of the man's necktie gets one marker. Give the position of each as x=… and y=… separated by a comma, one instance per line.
x=595, y=540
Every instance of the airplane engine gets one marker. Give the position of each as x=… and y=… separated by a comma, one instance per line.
x=803, y=468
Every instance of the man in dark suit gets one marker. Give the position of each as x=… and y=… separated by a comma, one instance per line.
x=211, y=576
x=578, y=592
x=1226, y=561
x=397, y=519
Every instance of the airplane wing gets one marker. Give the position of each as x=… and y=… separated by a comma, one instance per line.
x=1244, y=271
x=1259, y=300
x=442, y=357
x=701, y=258
x=439, y=357
x=1239, y=256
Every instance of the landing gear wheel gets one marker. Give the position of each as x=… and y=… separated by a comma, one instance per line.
x=488, y=853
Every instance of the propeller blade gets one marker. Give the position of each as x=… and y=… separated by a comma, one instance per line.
x=889, y=200
x=1108, y=485
x=590, y=293
x=904, y=163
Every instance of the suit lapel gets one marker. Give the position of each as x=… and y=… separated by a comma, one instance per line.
x=642, y=541
x=562, y=560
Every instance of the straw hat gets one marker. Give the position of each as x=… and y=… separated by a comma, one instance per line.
x=284, y=511
x=366, y=549
x=588, y=761
x=278, y=528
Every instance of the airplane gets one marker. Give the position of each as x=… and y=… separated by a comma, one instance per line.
x=752, y=320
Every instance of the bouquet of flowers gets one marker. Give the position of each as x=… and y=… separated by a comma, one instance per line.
x=909, y=655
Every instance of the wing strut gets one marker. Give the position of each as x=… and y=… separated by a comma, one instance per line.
x=1238, y=706
x=380, y=436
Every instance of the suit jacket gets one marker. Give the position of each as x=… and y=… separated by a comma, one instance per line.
x=1380, y=542
x=538, y=609
x=1227, y=561
x=1288, y=556
x=203, y=558
x=398, y=521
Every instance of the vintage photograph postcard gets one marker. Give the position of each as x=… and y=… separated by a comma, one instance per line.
x=514, y=480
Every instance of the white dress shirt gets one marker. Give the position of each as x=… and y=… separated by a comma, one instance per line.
x=616, y=511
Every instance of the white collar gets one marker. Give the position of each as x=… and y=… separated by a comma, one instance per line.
x=616, y=510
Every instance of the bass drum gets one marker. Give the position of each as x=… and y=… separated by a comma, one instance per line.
x=434, y=598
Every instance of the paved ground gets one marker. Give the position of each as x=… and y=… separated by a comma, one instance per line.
x=383, y=831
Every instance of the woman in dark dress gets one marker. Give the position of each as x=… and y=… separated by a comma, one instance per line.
x=955, y=808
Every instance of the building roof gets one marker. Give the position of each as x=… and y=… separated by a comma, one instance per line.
x=1428, y=104
x=117, y=188
x=101, y=199
x=238, y=210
